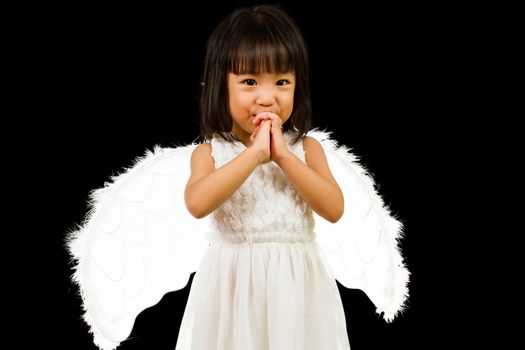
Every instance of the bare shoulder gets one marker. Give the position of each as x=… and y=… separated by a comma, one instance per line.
x=313, y=149
x=202, y=155
x=315, y=158
x=204, y=147
x=202, y=163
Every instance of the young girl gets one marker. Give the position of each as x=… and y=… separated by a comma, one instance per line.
x=262, y=281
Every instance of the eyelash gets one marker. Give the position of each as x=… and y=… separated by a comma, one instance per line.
x=287, y=81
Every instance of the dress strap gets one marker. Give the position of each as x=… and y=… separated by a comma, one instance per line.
x=220, y=151
x=297, y=148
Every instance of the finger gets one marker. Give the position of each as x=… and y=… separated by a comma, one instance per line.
x=276, y=122
x=264, y=115
x=271, y=116
x=257, y=120
x=256, y=130
x=268, y=123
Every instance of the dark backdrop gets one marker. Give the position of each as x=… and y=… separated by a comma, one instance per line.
x=113, y=82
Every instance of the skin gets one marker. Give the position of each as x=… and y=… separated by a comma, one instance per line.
x=262, y=101
x=259, y=106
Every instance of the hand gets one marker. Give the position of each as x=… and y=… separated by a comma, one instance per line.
x=260, y=139
x=278, y=147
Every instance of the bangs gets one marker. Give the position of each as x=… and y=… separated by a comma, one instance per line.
x=256, y=54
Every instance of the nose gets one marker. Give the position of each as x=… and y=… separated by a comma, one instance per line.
x=265, y=97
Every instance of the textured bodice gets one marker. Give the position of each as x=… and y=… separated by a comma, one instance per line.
x=266, y=207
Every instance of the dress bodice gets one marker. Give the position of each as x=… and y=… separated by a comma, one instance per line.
x=266, y=207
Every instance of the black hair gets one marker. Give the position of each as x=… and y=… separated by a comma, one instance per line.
x=253, y=40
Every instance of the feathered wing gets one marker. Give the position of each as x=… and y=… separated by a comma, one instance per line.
x=138, y=242
x=362, y=248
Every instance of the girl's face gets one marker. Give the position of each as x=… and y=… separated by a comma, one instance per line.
x=251, y=94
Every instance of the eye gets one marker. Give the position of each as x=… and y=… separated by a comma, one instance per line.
x=249, y=82
x=283, y=81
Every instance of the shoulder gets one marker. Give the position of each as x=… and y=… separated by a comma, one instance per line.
x=312, y=146
x=203, y=146
x=201, y=155
x=314, y=152
x=315, y=158
x=310, y=140
x=202, y=149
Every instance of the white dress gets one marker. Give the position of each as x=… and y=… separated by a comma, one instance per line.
x=263, y=283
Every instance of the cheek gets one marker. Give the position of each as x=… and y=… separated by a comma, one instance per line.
x=289, y=101
x=238, y=100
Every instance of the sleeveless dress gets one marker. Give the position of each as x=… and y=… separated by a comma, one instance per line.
x=263, y=284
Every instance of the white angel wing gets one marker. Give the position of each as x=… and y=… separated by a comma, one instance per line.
x=137, y=243
x=362, y=248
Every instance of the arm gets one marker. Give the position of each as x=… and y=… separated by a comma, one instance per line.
x=208, y=188
x=313, y=181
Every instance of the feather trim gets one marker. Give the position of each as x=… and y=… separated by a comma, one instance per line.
x=76, y=240
x=398, y=299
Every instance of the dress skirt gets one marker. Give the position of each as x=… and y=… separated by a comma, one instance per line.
x=263, y=296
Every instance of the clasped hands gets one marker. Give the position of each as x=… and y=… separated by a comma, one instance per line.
x=268, y=137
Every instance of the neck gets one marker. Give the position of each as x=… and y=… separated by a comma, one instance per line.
x=243, y=136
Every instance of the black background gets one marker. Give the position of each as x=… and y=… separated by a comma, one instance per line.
x=388, y=80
